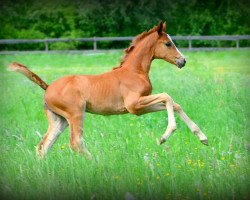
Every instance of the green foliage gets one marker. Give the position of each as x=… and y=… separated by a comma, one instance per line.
x=62, y=46
x=213, y=90
x=86, y=18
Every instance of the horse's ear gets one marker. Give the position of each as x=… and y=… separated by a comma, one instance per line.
x=164, y=27
x=160, y=28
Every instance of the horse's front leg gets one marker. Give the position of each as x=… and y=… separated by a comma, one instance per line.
x=153, y=103
x=159, y=102
x=191, y=125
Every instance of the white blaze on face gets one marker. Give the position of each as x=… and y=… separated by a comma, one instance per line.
x=175, y=46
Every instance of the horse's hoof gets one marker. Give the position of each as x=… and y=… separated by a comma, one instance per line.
x=205, y=142
x=88, y=156
x=162, y=140
x=39, y=153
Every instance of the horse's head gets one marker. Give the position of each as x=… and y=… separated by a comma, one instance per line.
x=165, y=48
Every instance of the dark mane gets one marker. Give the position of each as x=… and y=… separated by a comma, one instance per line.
x=134, y=42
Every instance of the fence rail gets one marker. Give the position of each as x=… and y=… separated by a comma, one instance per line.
x=46, y=42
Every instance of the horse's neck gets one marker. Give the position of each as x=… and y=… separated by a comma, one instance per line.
x=139, y=60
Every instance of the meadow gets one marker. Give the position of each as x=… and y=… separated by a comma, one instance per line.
x=213, y=89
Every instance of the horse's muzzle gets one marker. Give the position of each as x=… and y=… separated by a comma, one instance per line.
x=180, y=62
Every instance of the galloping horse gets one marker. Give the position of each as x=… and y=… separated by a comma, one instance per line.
x=125, y=89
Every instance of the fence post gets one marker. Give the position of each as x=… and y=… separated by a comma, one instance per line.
x=237, y=43
x=189, y=44
x=94, y=44
x=46, y=45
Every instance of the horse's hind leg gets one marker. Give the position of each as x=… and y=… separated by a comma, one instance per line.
x=192, y=126
x=56, y=125
x=76, y=133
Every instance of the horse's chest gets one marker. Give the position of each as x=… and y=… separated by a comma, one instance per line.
x=146, y=89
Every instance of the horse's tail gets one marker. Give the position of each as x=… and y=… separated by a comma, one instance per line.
x=17, y=67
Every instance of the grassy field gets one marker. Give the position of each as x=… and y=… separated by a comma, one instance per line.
x=213, y=89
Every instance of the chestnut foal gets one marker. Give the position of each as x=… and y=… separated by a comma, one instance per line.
x=125, y=89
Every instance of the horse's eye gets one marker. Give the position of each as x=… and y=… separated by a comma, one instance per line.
x=168, y=44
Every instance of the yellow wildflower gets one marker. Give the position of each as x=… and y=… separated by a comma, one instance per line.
x=167, y=174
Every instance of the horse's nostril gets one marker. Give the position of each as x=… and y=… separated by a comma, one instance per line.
x=180, y=62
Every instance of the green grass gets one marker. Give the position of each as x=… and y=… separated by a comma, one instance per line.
x=212, y=89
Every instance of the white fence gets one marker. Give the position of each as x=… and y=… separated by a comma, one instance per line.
x=95, y=40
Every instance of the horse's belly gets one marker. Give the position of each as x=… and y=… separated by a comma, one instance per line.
x=105, y=103
x=106, y=108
